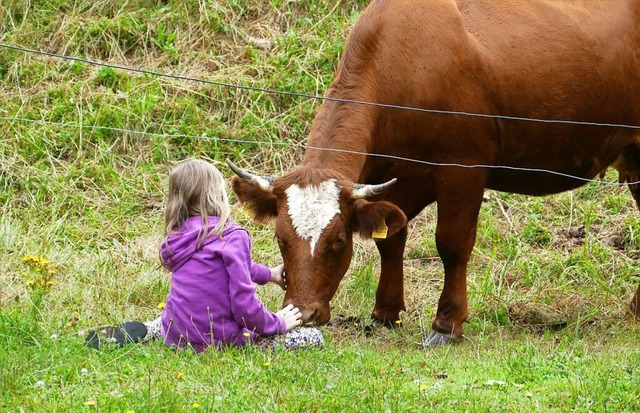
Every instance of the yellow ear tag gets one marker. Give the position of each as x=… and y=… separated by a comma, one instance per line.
x=380, y=232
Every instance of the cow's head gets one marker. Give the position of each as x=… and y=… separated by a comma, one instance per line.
x=316, y=215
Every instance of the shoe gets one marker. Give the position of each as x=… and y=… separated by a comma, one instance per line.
x=127, y=332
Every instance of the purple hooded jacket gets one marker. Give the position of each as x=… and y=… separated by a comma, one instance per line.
x=212, y=297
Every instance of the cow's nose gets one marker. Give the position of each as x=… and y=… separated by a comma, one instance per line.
x=308, y=316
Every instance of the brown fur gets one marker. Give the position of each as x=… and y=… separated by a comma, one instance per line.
x=262, y=206
x=548, y=59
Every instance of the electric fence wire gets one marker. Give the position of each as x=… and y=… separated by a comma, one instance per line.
x=321, y=98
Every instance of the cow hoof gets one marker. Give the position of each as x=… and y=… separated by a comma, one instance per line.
x=435, y=339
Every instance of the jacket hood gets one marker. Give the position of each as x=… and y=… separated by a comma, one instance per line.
x=179, y=247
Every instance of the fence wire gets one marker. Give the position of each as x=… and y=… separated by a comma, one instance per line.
x=320, y=98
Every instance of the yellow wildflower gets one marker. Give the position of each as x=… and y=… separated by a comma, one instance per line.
x=246, y=334
x=180, y=374
x=90, y=402
x=162, y=305
x=196, y=405
x=398, y=321
x=266, y=363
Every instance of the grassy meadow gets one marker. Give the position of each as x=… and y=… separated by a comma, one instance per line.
x=84, y=156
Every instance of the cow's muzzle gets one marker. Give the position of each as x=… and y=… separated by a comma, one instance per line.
x=314, y=313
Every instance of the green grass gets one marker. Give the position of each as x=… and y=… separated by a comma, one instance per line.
x=549, y=281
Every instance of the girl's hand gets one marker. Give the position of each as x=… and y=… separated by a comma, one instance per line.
x=292, y=316
x=278, y=277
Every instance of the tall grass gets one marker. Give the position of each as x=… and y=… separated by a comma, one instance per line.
x=549, y=281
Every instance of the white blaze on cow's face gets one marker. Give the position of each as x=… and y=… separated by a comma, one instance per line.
x=312, y=208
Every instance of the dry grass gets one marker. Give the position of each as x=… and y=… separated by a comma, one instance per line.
x=218, y=42
x=549, y=281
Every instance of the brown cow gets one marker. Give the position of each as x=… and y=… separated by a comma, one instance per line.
x=545, y=59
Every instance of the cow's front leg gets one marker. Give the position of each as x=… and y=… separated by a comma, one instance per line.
x=390, y=292
x=458, y=211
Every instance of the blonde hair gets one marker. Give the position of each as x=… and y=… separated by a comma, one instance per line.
x=197, y=188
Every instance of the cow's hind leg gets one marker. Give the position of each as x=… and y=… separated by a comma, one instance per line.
x=628, y=166
x=458, y=208
x=390, y=292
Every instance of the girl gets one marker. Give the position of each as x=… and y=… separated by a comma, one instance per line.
x=212, y=299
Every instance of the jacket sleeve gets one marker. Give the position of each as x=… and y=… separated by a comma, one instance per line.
x=246, y=307
x=260, y=273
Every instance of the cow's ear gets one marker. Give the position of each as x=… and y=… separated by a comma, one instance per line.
x=258, y=202
x=377, y=220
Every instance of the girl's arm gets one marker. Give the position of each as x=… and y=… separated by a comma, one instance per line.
x=260, y=273
x=246, y=307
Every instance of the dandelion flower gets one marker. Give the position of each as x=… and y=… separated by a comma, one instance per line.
x=196, y=405
x=266, y=363
x=246, y=334
x=162, y=305
x=90, y=403
x=423, y=386
x=398, y=321
x=180, y=374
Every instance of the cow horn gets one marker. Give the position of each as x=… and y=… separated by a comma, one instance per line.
x=263, y=182
x=361, y=191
